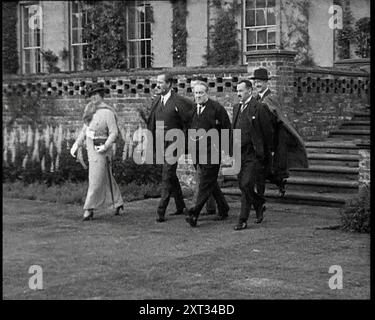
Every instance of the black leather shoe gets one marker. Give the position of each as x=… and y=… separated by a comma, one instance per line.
x=160, y=219
x=88, y=215
x=117, y=213
x=240, y=226
x=192, y=220
x=259, y=214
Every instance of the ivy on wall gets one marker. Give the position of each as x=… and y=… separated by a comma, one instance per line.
x=179, y=32
x=10, y=54
x=363, y=37
x=346, y=34
x=294, y=30
x=106, y=35
x=225, y=48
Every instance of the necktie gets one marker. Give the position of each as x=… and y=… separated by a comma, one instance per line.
x=162, y=101
x=243, y=107
x=259, y=97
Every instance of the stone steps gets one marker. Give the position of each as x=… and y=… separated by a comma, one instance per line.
x=338, y=172
x=349, y=160
x=298, y=197
x=332, y=176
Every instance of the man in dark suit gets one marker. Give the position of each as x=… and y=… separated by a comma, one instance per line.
x=209, y=115
x=210, y=204
x=252, y=118
x=288, y=145
x=175, y=112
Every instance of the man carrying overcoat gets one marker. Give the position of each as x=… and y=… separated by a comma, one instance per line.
x=288, y=146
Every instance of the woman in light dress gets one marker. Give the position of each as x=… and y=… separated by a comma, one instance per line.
x=100, y=130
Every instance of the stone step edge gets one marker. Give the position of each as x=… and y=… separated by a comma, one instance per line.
x=333, y=156
x=290, y=194
x=311, y=181
x=327, y=169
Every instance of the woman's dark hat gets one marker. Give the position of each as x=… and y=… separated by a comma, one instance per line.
x=260, y=74
x=95, y=88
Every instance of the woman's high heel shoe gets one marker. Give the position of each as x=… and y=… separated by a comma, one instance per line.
x=117, y=213
x=88, y=215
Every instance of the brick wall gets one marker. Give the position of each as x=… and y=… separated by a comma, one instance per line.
x=316, y=100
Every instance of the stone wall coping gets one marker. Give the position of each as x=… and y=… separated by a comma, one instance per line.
x=353, y=61
x=272, y=52
x=134, y=73
x=333, y=71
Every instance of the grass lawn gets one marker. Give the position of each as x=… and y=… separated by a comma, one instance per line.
x=133, y=257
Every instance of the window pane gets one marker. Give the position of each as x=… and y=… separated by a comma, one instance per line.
x=77, y=58
x=132, y=62
x=250, y=4
x=262, y=36
x=271, y=19
x=250, y=18
x=271, y=37
x=143, y=47
x=74, y=36
x=142, y=36
x=26, y=42
x=148, y=61
x=148, y=47
x=132, y=48
x=148, y=30
x=131, y=22
x=250, y=48
x=261, y=3
x=143, y=62
x=271, y=3
x=262, y=47
x=272, y=46
x=148, y=13
x=260, y=18
x=251, y=37
x=37, y=60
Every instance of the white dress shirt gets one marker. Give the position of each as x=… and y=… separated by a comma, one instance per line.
x=165, y=98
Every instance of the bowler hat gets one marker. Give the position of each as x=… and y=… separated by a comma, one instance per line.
x=260, y=74
x=95, y=88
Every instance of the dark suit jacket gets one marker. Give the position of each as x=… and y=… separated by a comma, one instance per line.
x=214, y=116
x=182, y=106
x=261, y=129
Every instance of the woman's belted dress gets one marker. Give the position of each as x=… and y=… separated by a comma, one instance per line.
x=102, y=126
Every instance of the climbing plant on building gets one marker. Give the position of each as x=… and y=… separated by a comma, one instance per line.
x=294, y=16
x=9, y=23
x=51, y=60
x=179, y=32
x=225, y=47
x=105, y=35
x=363, y=37
x=345, y=35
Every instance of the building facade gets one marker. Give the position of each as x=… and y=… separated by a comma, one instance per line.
x=302, y=26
